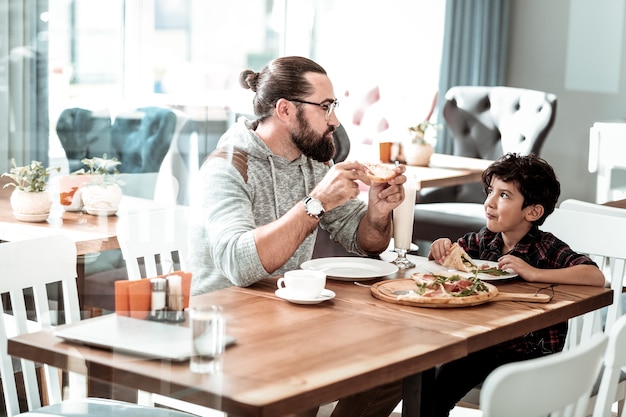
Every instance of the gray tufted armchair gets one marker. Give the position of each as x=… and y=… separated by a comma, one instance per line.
x=486, y=123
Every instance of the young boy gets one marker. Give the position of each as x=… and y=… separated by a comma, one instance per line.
x=521, y=192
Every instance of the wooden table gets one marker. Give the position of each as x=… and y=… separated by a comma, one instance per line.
x=448, y=170
x=290, y=357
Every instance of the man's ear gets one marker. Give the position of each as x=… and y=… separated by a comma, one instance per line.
x=534, y=212
x=284, y=109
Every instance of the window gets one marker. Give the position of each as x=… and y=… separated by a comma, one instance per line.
x=188, y=54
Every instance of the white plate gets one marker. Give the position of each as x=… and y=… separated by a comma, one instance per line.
x=324, y=296
x=435, y=268
x=100, y=212
x=351, y=268
x=31, y=217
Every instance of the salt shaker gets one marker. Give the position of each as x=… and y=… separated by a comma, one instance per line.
x=157, y=305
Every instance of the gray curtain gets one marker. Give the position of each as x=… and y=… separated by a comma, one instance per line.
x=24, y=117
x=474, y=49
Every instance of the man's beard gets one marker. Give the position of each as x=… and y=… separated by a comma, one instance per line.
x=310, y=143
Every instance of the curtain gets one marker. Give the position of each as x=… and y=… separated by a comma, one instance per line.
x=474, y=49
x=24, y=126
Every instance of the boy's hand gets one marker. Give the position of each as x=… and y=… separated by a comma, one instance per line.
x=439, y=249
x=517, y=265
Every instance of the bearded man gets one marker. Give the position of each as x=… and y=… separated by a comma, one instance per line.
x=271, y=183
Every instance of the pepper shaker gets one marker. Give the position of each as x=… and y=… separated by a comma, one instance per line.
x=175, y=303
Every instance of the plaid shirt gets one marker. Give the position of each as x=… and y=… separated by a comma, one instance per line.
x=541, y=250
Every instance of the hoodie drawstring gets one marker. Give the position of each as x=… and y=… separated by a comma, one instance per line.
x=273, y=171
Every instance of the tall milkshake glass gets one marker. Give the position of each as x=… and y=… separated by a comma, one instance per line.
x=403, y=224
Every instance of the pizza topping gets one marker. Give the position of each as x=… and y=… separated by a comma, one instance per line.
x=431, y=285
x=496, y=272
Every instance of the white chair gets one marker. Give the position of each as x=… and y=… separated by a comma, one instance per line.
x=612, y=375
x=574, y=222
x=154, y=240
x=31, y=269
x=614, y=266
x=608, y=224
x=554, y=385
x=153, y=243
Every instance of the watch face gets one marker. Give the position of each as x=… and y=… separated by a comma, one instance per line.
x=314, y=207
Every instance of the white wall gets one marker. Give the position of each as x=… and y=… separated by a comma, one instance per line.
x=538, y=55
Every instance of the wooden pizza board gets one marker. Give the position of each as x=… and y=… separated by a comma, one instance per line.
x=383, y=290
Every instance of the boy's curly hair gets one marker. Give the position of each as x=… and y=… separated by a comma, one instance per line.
x=534, y=177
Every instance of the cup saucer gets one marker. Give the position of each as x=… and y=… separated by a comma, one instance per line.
x=324, y=296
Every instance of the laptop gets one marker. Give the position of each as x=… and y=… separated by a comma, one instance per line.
x=145, y=338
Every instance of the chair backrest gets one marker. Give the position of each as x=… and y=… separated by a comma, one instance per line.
x=488, y=122
x=614, y=361
x=141, y=138
x=342, y=144
x=84, y=133
x=28, y=267
x=597, y=231
x=153, y=241
x=560, y=382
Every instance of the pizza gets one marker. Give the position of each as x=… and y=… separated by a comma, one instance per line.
x=379, y=172
x=459, y=259
x=447, y=290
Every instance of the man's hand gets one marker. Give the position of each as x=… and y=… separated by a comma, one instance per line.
x=385, y=196
x=340, y=184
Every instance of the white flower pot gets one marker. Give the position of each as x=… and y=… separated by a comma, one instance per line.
x=418, y=154
x=31, y=207
x=101, y=199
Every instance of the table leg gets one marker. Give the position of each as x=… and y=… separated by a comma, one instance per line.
x=417, y=393
x=80, y=280
x=411, y=395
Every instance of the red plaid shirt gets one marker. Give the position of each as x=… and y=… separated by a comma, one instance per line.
x=541, y=250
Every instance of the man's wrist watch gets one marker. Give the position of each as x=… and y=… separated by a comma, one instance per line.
x=313, y=207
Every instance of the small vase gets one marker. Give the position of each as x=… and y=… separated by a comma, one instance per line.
x=101, y=198
x=29, y=206
x=418, y=153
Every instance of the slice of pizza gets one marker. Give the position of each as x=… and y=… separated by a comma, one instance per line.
x=459, y=259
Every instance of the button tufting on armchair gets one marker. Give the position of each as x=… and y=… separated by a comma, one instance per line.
x=486, y=123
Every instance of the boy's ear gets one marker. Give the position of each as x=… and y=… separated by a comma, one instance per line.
x=534, y=212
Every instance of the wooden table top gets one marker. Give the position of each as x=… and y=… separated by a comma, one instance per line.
x=291, y=357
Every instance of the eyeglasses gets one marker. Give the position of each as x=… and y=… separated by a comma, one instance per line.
x=327, y=107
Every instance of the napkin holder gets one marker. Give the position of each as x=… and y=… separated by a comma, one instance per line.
x=133, y=297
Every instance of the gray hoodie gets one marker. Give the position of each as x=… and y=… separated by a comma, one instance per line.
x=243, y=185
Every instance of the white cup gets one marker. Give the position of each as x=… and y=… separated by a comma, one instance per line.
x=208, y=329
x=305, y=284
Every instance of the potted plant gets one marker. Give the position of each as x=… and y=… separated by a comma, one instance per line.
x=417, y=151
x=102, y=194
x=30, y=200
